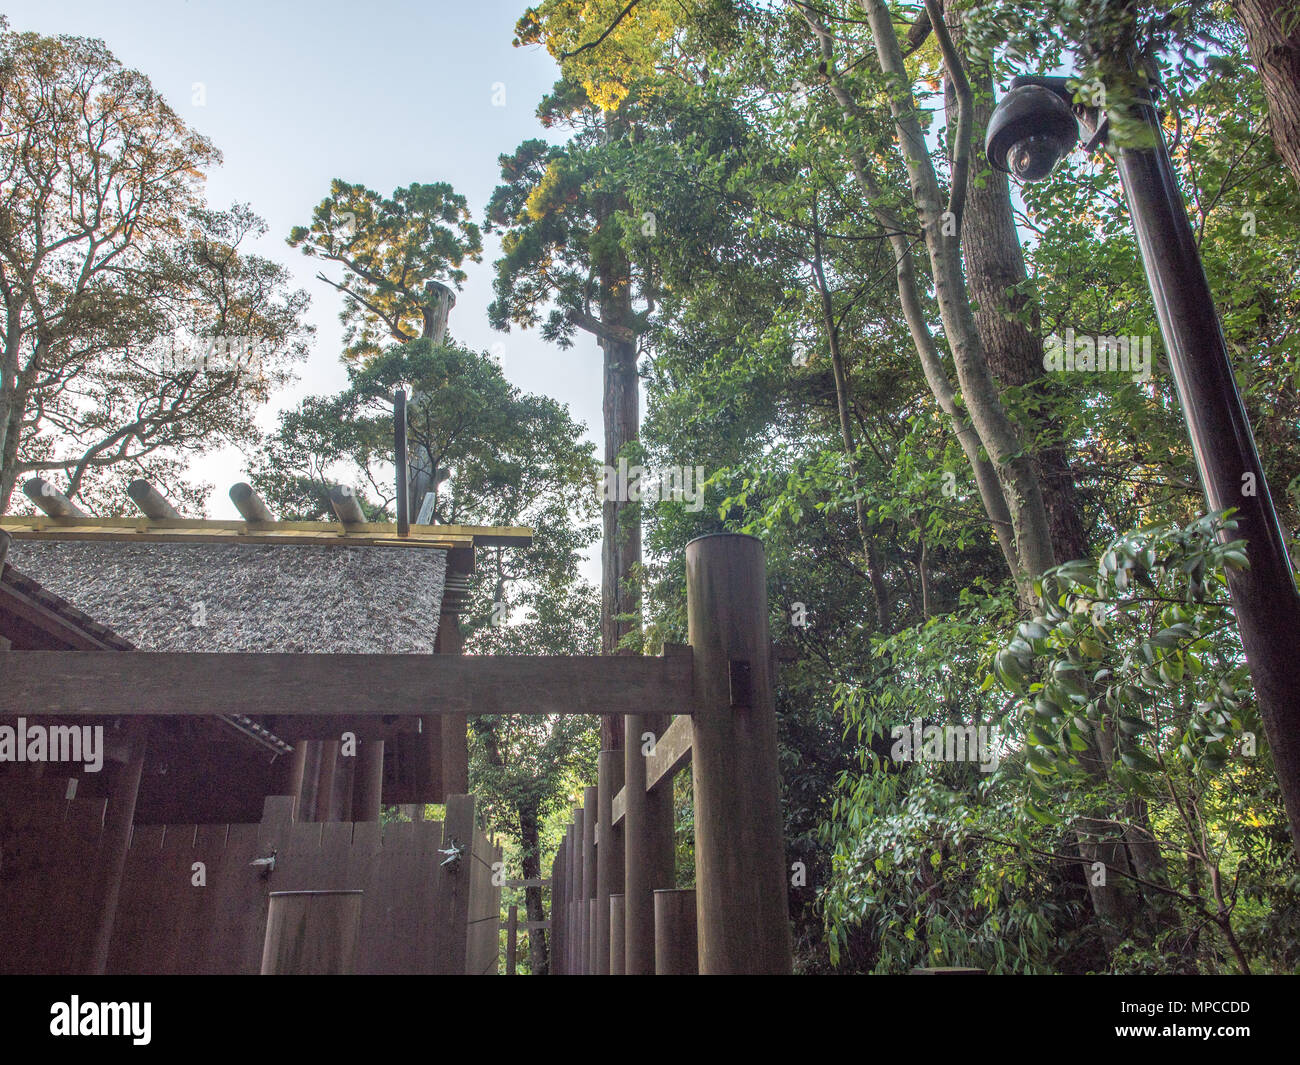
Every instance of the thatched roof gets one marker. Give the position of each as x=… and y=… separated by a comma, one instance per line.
x=279, y=597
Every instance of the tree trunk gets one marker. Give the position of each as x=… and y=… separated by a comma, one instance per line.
x=621, y=407
x=996, y=275
x=843, y=401
x=909, y=298
x=531, y=848
x=1273, y=36
x=996, y=430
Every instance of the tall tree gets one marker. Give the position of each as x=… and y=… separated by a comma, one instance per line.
x=1273, y=33
x=111, y=267
x=562, y=226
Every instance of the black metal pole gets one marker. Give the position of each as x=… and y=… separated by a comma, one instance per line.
x=1264, y=596
x=399, y=459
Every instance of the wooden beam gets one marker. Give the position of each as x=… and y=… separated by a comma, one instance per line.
x=672, y=754
x=114, y=683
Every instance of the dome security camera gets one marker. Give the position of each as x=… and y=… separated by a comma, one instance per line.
x=1031, y=130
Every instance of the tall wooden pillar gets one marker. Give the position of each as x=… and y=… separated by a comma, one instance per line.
x=367, y=796
x=512, y=934
x=743, y=910
x=609, y=851
x=119, y=816
x=555, y=957
x=326, y=803
x=648, y=858
x=589, y=806
x=675, y=937
x=306, y=809
x=575, y=889
x=455, y=738
x=617, y=927
x=292, y=769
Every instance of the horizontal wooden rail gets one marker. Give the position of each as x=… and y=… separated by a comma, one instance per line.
x=672, y=755
x=539, y=882
x=527, y=924
x=117, y=683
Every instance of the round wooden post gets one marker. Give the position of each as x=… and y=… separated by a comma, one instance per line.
x=368, y=793
x=291, y=770
x=311, y=933
x=575, y=888
x=115, y=842
x=589, y=796
x=744, y=924
x=616, y=927
x=556, y=955
x=326, y=806
x=609, y=851
x=675, y=941
x=647, y=846
x=512, y=932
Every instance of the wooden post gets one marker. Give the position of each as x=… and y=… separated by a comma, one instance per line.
x=740, y=876
x=609, y=851
x=399, y=455
x=648, y=858
x=455, y=738
x=369, y=790
x=574, y=880
x=292, y=768
x=119, y=816
x=589, y=797
x=616, y=927
x=512, y=932
x=586, y=851
x=555, y=957
x=675, y=941
x=311, y=933
x=326, y=809
x=306, y=808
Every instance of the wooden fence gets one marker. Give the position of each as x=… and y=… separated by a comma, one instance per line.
x=191, y=901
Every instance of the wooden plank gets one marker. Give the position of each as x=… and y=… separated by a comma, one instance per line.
x=539, y=882
x=619, y=806
x=528, y=924
x=672, y=754
x=205, y=530
x=113, y=683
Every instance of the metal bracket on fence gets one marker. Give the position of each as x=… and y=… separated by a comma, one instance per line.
x=266, y=866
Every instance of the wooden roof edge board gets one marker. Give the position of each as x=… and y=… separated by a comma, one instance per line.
x=200, y=536
x=477, y=535
x=147, y=683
